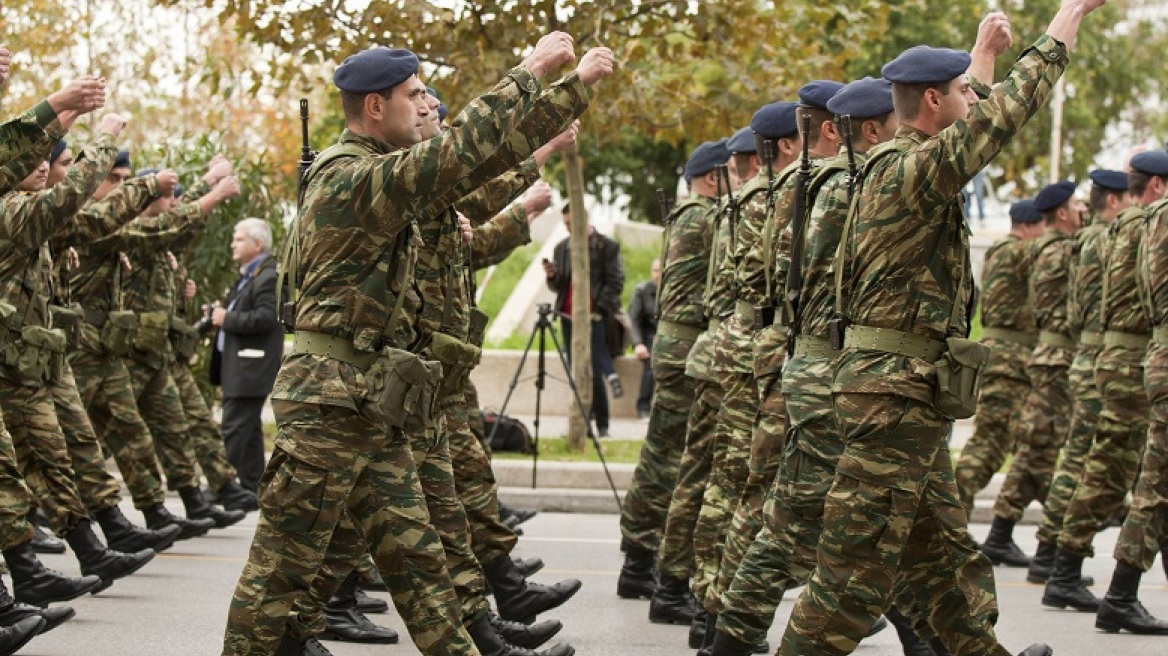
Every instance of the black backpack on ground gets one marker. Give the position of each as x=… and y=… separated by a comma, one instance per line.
x=511, y=435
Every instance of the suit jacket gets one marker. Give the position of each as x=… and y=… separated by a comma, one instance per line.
x=643, y=313
x=253, y=339
x=606, y=269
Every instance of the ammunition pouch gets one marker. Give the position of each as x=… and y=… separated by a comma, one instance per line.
x=959, y=377
x=184, y=338
x=478, y=327
x=458, y=359
x=9, y=322
x=402, y=390
x=68, y=320
x=700, y=363
x=118, y=332
x=38, y=354
x=153, y=334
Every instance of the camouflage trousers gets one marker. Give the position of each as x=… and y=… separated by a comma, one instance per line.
x=1042, y=430
x=15, y=497
x=99, y=489
x=474, y=418
x=206, y=438
x=893, y=521
x=676, y=555
x=105, y=389
x=41, y=452
x=1111, y=465
x=161, y=408
x=1145, y=531
x=1084, y=417
x=647, y=501
x=1004, y=387
x=330, y=463
x=732, y=504
x=477, y=491
x=782, y=554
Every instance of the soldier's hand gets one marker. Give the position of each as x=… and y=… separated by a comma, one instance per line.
x=112, y=124
x=82, y=95
x=466, y=229
x=538, y=199
x=190, y=289
x=549, y=268
x=72, y=259
x=567, y=138
x=227, y=188
x=171, y=261
x=127, y=268
x=5, y=60
x=551, y=52
x=167, y=182
x=218, y=168
x=595, y=65
x=994, y=35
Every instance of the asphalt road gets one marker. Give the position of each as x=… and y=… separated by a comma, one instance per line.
x=177, y=605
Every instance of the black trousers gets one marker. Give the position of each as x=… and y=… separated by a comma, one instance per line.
x=243, y=436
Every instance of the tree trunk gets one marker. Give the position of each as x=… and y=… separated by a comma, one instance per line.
x=581, y=305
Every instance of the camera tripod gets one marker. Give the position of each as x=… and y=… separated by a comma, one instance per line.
x=543, y=328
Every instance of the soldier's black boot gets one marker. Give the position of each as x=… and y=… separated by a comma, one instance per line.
x=520, y=600
x=35, y=584
x=344, y=621
x=233, y=496
x=636, y=576
x=121, y=535
x=999, y=546
x=708, y=634
x=99, y=561
x=198, y=508
x=1121, y=608
x=158, y=516
x=1041, y=563
x=519, y=515
x=43, y=541
x=527, y=566
x=375, y=581
x=910, y=642
x=697, y=629
x=12, y=611
x=367, y=604
x=672, y=603
x=1065, y=587
x=290, y=646
x=523, y=635
x=17, y=635
x=725, y=644
x=490, y=643
x=1037, y=650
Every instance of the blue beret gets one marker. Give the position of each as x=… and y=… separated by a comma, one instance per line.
x=1053, y=195
x=816, y=94
x=375, y=69
x=178, y=190
x=742, y=142
x=1151, y=162
x=926, y=65
x=776, y=120
x=1023, y=212
x=866, y=98
x=122, y=161
x=442, y=112
x=1108, y=179
x=705, y=158
x=141, y=173
x=57, y=150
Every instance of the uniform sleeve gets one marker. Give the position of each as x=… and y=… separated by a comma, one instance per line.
x=100, y=219
x=1154, y=267
x=25, y=142
x=29, y=220
x=494, y=197
x=143, y=237
x=941, y=168
x=500, y=236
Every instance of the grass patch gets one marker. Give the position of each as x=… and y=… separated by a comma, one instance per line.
x=556, y=448
x=504, y=279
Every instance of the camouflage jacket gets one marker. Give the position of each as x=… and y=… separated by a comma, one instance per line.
x=907, y=249
x=1005, y=299
x=718, y=299
x=1087, y=280
x=25, y=142
x=684, y=267
x=749, y=272
x=1121, y=308
x=733, y=345
x=781, y=224
x=1049, y=286
x=360, y=216
x=495, y=240
x=1153, y=265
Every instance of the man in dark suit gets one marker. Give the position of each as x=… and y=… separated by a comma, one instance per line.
x=607, y=274
x=643, y=319
x=248, y=348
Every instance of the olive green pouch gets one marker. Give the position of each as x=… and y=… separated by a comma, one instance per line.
x=959, y=377
x=153, y=334
x=118, y=331
x=184, y=338
x=402, y=390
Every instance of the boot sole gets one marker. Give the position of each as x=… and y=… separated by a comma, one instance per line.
x=28, y=638
x=106, y=583
x=669, y=619
x=1115, y=627
x=329, y=635
x=1063, y=605
x=998, y=561
x=44, y=548
x=49, y=626
x=42, y=603
x=635, y=591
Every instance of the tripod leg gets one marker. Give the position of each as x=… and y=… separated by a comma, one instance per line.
x=514, y=382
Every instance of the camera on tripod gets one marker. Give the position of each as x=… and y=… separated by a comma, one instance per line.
x=544, y=309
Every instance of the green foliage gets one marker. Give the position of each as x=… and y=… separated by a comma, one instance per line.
x=638, y=262
x=504, y=279
x=556, y=448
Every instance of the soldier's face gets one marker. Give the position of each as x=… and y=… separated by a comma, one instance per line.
x=887, y=130
x=113, y=180
x=36, y=180
x=432, y=126
x=404, y=114
x=955, y=105
x=60, y=168
x=1076, y=208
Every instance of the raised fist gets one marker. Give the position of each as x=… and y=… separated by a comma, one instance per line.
x=167, y=182
x=993, y=35
x=466, y=229
x=5, y=60
x=82, y=95
x=567, y=138
x=595, y=65
x=551, y=52
x=539, y=198
x=227, y=188
x=112, y=124
x=217, y=169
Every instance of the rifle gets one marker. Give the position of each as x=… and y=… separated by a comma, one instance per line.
x=838, y=325
x=291, y=254
x=845, y=125
x=666, y=204
x=794, y=282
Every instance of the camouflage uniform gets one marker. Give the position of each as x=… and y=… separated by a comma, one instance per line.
x=356, y=253
x=1010, y=334
x=25, y=142
x=1043, y=425
x=893, y=516
x=1145, y=531
x=1109, y=470
x=646, y=505
x=34, y=355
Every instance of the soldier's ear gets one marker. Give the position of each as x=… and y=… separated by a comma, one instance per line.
x=374, y=105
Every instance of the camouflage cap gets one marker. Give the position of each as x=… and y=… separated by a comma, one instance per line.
x=57, y=150
x=1109, y=179
x=375, y=69
x=1151, y=162
x=1054, y=195
x=816, y=94
x=866, y=98
x=925, y=65
x=1023, y=212
x=776, y=120
x=706, y=157
x=742, y=142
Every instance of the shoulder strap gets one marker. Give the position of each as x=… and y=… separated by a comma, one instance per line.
x=768, y=232
x=841, y=249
